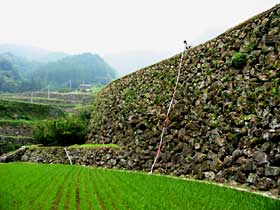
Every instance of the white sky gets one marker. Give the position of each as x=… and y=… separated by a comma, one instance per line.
x=110, y=26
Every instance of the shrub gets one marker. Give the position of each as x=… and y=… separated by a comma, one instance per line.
x=130, y=95
x=60, y=132
x=239, y=60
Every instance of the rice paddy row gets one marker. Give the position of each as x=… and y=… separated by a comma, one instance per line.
x=39, y=186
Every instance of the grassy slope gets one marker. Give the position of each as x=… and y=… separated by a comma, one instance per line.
x=37, y=186
x=94, y=146
x=28, y=111
x=21, y=116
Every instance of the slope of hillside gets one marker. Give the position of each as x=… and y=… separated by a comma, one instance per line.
x=13, y=71
x=225, y=124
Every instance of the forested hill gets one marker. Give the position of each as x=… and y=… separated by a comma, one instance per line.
x=18, y=74
x=84, y=68
x=20, y=64
x=12, y=74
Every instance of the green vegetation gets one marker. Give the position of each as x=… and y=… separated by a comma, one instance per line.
x=95, y=89
x=27, y=111
x=38, y=186
x=95, y=146
x=25, y=116
x=4, y=148
x=61, y=131
x=59, y=103
x=18, y=74
x=16, y=137
x=15, y=123
x=130, y=95
x=11, y=75
x=239, y=60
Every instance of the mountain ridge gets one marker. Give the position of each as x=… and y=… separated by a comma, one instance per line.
x=26, y=75
x=32, y=53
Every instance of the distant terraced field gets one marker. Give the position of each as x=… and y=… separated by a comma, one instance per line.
x=38, y=186
x=65, y=101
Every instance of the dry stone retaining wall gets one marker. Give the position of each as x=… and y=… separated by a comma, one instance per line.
x=225, y=124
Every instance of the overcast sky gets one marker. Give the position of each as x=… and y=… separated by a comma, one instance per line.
x=109, y=26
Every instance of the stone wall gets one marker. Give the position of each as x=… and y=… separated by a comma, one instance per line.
x=10, y=143
x=13, y=137
x=104, y=157
x=225, y=124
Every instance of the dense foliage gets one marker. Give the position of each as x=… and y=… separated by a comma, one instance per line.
x=239, y=60
x=61, y=132
x=13, y=71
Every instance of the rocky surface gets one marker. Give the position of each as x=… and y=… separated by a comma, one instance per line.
x=105, y=157
x=13, y=137
x=10, y=143
x=225, y=124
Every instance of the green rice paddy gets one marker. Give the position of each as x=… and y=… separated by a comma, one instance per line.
x=26, y=186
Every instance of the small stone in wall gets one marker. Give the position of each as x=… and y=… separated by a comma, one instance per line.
x=265, y=183
x=227, y=161
x=252, y=178
x=272, y=171
x=199, y=157
x=220, y=141
x=197, y=146
x=210, y=175
x=265, y=147
x=236, y=154
x=260, y=157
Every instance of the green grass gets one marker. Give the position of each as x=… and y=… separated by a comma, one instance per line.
x=94, y=146
x=27, y=111
x=15, y=123
x=28, y=98
x=77, y=146
x=16, y=137
x=39, y=186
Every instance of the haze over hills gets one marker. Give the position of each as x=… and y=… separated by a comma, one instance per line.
x=84, y=68
x=32, y=53
x=24, y=68
x=123, y=62
x=14, y=74
x=130, y=61
x=20, y=64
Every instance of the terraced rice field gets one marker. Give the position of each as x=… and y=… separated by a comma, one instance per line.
x=37, y=186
